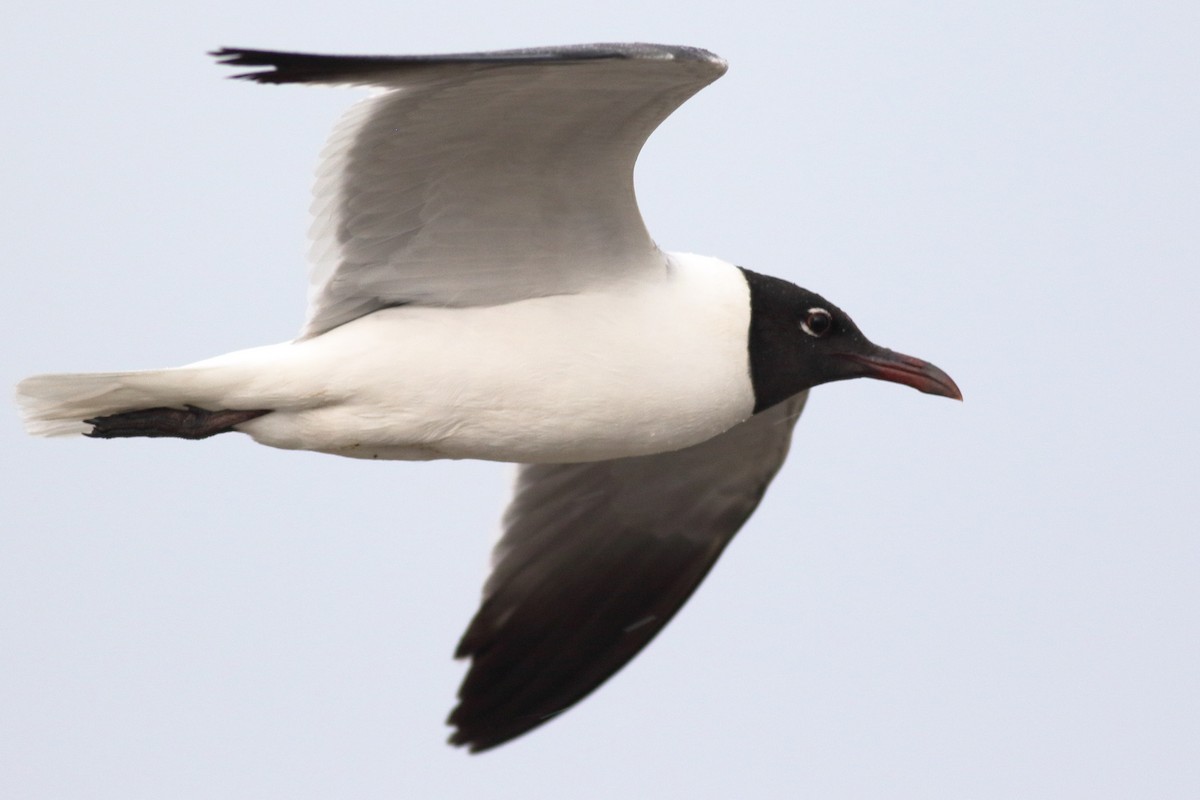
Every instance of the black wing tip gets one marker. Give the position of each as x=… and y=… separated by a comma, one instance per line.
x=479, y=725
x=479, y=736
x=290, y=67
x=474, y=744
x=478, y=729
x=282, y=67
x=238, y=57
x=475, y=738
x=459, y=739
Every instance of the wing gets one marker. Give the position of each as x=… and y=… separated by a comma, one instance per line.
x=483, y=178
x=595, y=559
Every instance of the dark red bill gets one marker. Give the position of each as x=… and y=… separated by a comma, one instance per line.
x=887, y=365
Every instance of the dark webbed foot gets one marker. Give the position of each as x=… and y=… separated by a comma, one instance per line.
x=189, y=422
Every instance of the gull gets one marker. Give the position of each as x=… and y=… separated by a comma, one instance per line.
x=483, y=286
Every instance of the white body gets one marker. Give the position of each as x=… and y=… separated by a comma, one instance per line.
x=644, y=366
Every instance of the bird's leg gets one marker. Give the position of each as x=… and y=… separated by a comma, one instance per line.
x=189, y=422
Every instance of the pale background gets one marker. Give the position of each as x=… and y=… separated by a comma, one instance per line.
x=989, y=600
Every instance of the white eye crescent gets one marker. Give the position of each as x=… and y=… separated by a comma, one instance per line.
x=817, y=322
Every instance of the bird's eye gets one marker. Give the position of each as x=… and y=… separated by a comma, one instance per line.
x=817, y=322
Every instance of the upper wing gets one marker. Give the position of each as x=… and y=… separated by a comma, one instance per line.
x=483, y=178
x=595, y=559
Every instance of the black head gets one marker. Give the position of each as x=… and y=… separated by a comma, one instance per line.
x=798, y=339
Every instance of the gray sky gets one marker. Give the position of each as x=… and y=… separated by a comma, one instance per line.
x=990, y=600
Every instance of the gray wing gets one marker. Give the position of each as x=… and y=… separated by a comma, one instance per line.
x=595, y=559
x=483, y=178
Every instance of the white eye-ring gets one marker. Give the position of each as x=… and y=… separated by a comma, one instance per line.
x=817, y=322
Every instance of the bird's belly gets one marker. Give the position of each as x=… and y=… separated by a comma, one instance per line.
x=547, y=380
x=504, y=434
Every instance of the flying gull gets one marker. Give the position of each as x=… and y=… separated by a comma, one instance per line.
x=483, y=286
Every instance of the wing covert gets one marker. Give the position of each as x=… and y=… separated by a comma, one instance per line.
x=483, y=178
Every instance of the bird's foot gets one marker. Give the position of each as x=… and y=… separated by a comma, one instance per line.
x=189, y=422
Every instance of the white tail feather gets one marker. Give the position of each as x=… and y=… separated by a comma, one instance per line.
x=57, y=405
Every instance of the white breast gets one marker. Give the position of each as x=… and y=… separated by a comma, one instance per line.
x=636, y=369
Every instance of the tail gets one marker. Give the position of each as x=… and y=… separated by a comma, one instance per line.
x=57, y=405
